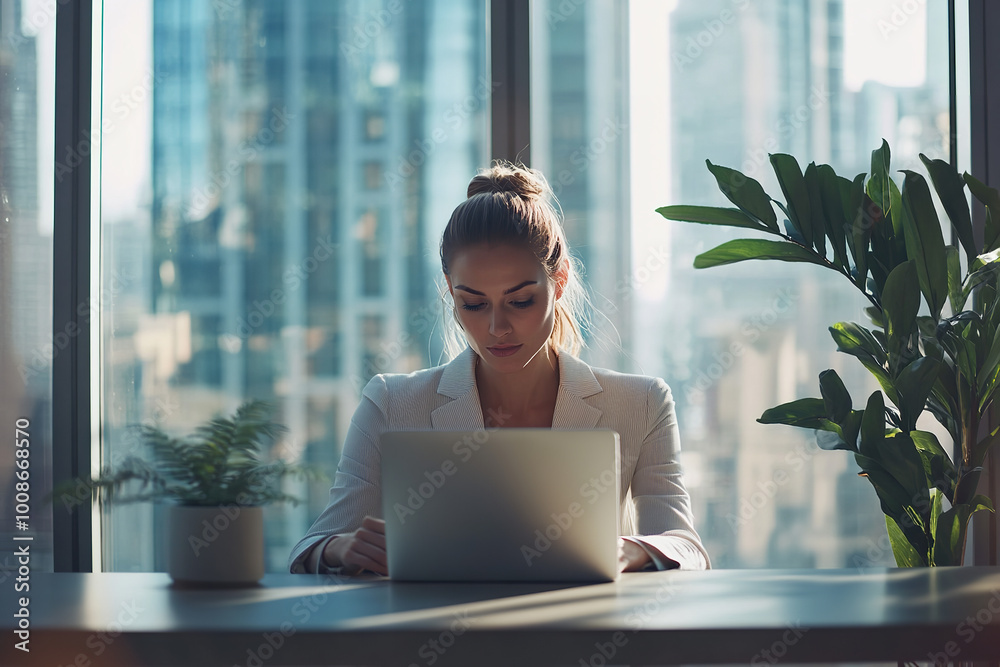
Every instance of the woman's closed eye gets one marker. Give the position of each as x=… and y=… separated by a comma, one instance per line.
x=517, y=304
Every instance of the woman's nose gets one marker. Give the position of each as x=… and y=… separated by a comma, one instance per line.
x=499, y=325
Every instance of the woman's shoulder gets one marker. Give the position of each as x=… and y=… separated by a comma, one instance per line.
x=414, y=383
x=613, y=380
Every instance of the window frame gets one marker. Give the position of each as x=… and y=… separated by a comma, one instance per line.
x=72, y=272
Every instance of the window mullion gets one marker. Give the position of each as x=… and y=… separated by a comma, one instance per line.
x=71, y=280
x=510, y=120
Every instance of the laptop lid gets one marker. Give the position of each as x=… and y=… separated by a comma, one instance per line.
x=512, y=504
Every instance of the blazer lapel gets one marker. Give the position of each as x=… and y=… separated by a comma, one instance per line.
x=576, y=382
x=458, y=382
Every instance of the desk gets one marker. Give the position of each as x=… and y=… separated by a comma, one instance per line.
x=761, y=617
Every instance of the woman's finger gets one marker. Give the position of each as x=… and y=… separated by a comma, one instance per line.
x=372, y=537
x=371, y=551
x=363, y=561
x=374, y=524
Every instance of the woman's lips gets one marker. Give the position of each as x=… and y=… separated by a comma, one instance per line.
x=504, y=351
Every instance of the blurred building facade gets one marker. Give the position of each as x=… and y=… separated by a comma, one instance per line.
x=27, y=344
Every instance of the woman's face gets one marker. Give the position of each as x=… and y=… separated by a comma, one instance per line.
x=504, y=301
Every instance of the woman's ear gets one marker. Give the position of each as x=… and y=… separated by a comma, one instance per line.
x=561, y=277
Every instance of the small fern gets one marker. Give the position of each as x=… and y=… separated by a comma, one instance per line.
x=223, y=462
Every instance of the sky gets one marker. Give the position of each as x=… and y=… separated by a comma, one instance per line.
x=886, y=42
x=127, y=108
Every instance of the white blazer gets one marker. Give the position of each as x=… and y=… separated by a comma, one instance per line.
x=656, y=509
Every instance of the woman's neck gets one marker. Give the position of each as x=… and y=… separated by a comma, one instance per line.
x=524, y=398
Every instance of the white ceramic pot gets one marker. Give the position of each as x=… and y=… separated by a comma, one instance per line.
x=215, y=545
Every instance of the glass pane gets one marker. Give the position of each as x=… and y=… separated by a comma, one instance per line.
x=27, y=346
x=731, y=81
x=274, y=188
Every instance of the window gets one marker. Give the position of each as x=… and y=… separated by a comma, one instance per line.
x=242, y=175
x=374, y=125
x=373, y=175
x=275, y=178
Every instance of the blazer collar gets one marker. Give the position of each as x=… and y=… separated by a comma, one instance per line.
x=458, y=381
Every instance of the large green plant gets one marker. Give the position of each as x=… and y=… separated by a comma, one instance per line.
x=887, y=241
x=224, y=462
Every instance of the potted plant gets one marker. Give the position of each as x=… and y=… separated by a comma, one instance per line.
x=217, y=481
x=887, y=242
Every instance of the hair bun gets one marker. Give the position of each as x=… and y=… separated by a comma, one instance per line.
x=507, y=177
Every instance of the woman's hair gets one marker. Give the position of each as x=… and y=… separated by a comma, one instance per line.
x=513, y=204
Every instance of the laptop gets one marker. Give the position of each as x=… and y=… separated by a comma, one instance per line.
x=512, y=504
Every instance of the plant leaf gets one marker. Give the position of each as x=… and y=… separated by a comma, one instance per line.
x=989, y=369
x=914, y=384
x=804, y=413
x=938, y=468
x=836, y=398
x=926, y=441
x=711, y=215
x=746, y=193
x=902, y=550
x=873, y=426
x=793, y=187
x=951, y=191
x=811, y=413
x=819, y=223
x=990, y=198
x=853, y=338
x=833, y=206
x=900, y=303
x=956, y=295
x=896, y=500
x=859, y=230
x=924, y=241
x=953, y=335
x=900, y=458
x=949, y=538
x=965, y=490
x=859, y=342
x=877, y=187
x=740, y=250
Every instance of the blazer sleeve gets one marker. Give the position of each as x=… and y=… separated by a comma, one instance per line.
x=356, y=489
x=663, y=508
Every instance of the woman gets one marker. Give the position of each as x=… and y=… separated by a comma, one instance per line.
x=515, y=292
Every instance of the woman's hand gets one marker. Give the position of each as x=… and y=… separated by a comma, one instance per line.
x=631, y=556
x=363, y=549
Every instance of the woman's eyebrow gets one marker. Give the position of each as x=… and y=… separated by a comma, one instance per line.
x=506, y=291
